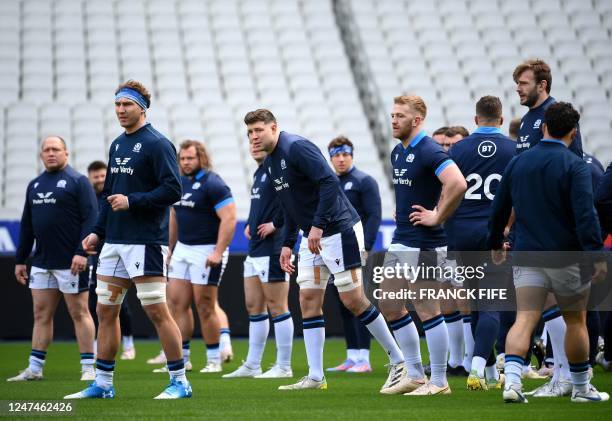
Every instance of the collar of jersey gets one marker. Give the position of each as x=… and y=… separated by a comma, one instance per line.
x=417, y=139
x=488, y=130
x=200, y=174
x=552, y=141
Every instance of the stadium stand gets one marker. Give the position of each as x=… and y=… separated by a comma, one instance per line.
x=207, y=63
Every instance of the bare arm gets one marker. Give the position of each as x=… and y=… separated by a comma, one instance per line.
x=227, y=215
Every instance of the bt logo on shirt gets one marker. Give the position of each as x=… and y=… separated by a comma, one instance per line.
x=255, y=193
x=185, y=202
x=397, y=179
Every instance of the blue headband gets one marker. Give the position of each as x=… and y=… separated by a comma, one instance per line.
x=340, y=149
x=133, y=95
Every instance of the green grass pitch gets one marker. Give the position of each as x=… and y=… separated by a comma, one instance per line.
x=349, y=396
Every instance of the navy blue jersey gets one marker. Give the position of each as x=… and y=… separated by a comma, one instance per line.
x=60, y=210
x=143, y=166
x=196, y=212
x=482, y=157
x=597, y=170
x=309, y=191
x=362, y=191
x=603, y=200
x=265, y=207
x=415, y=178
x=551, y=192
x=530, y=131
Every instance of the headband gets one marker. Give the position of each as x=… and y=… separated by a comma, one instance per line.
x=340, y=149
x=133, y=95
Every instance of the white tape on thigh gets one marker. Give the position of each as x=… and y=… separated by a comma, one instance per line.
x=151, y=292
x=348, y=280
x=109, y=294
x=312, y=277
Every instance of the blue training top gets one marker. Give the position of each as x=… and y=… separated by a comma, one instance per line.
x=265, y=207
x=482, y=157
x=196, y=212
x=143, y=166
x=309, y=191
x=551, y=192
x=415, y=178
x=362, y=191
x=60, y=210
x=530, y=131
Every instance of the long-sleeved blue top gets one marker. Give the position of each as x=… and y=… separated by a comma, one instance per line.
x=265, y=207
x=143, y=166
x=362, y=191
x=550, y=189
x=60, y=210
x=309, y=191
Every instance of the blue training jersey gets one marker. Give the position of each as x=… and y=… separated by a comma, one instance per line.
x=482, y=157
x=415, y=179
x=530, y=131
x=551, y=192
x=196, y=212
x=362, y=191
x=143, y=166
x=309, y=191
x=603, y=200
x=60, y=210
x=265, y=207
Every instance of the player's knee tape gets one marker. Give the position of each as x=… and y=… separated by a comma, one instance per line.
x=151, y=293
x=348, y=280
x=109, y=294
x=312, y=277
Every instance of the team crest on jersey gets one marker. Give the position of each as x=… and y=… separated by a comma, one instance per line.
x=263, y=177
x=137, y=147
x=196, y=185
x=348, y=185
x=36, y=184
x=283, y=164
x=61, y=184
x=537, y=123
x=410, y=157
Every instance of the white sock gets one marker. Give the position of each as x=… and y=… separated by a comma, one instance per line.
x=283, y=333
x=526, y=368
x=127, y=342
x=104, y=379
x=490, y=372
x=178, y=375
x=556, y=330
x=314, y=339
x=468, y=343
x=87, y=360
x=364, y=355
x=186, y=351
x=259, y=327
x=376, y=324
x=544, y=336
x=352, y=354
x=37, y=361
x=436, y=334
x=513, y=369
x=225, y=339
x=478, y=365
x=407, y=337
x=213, y=354
x=454, y=325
